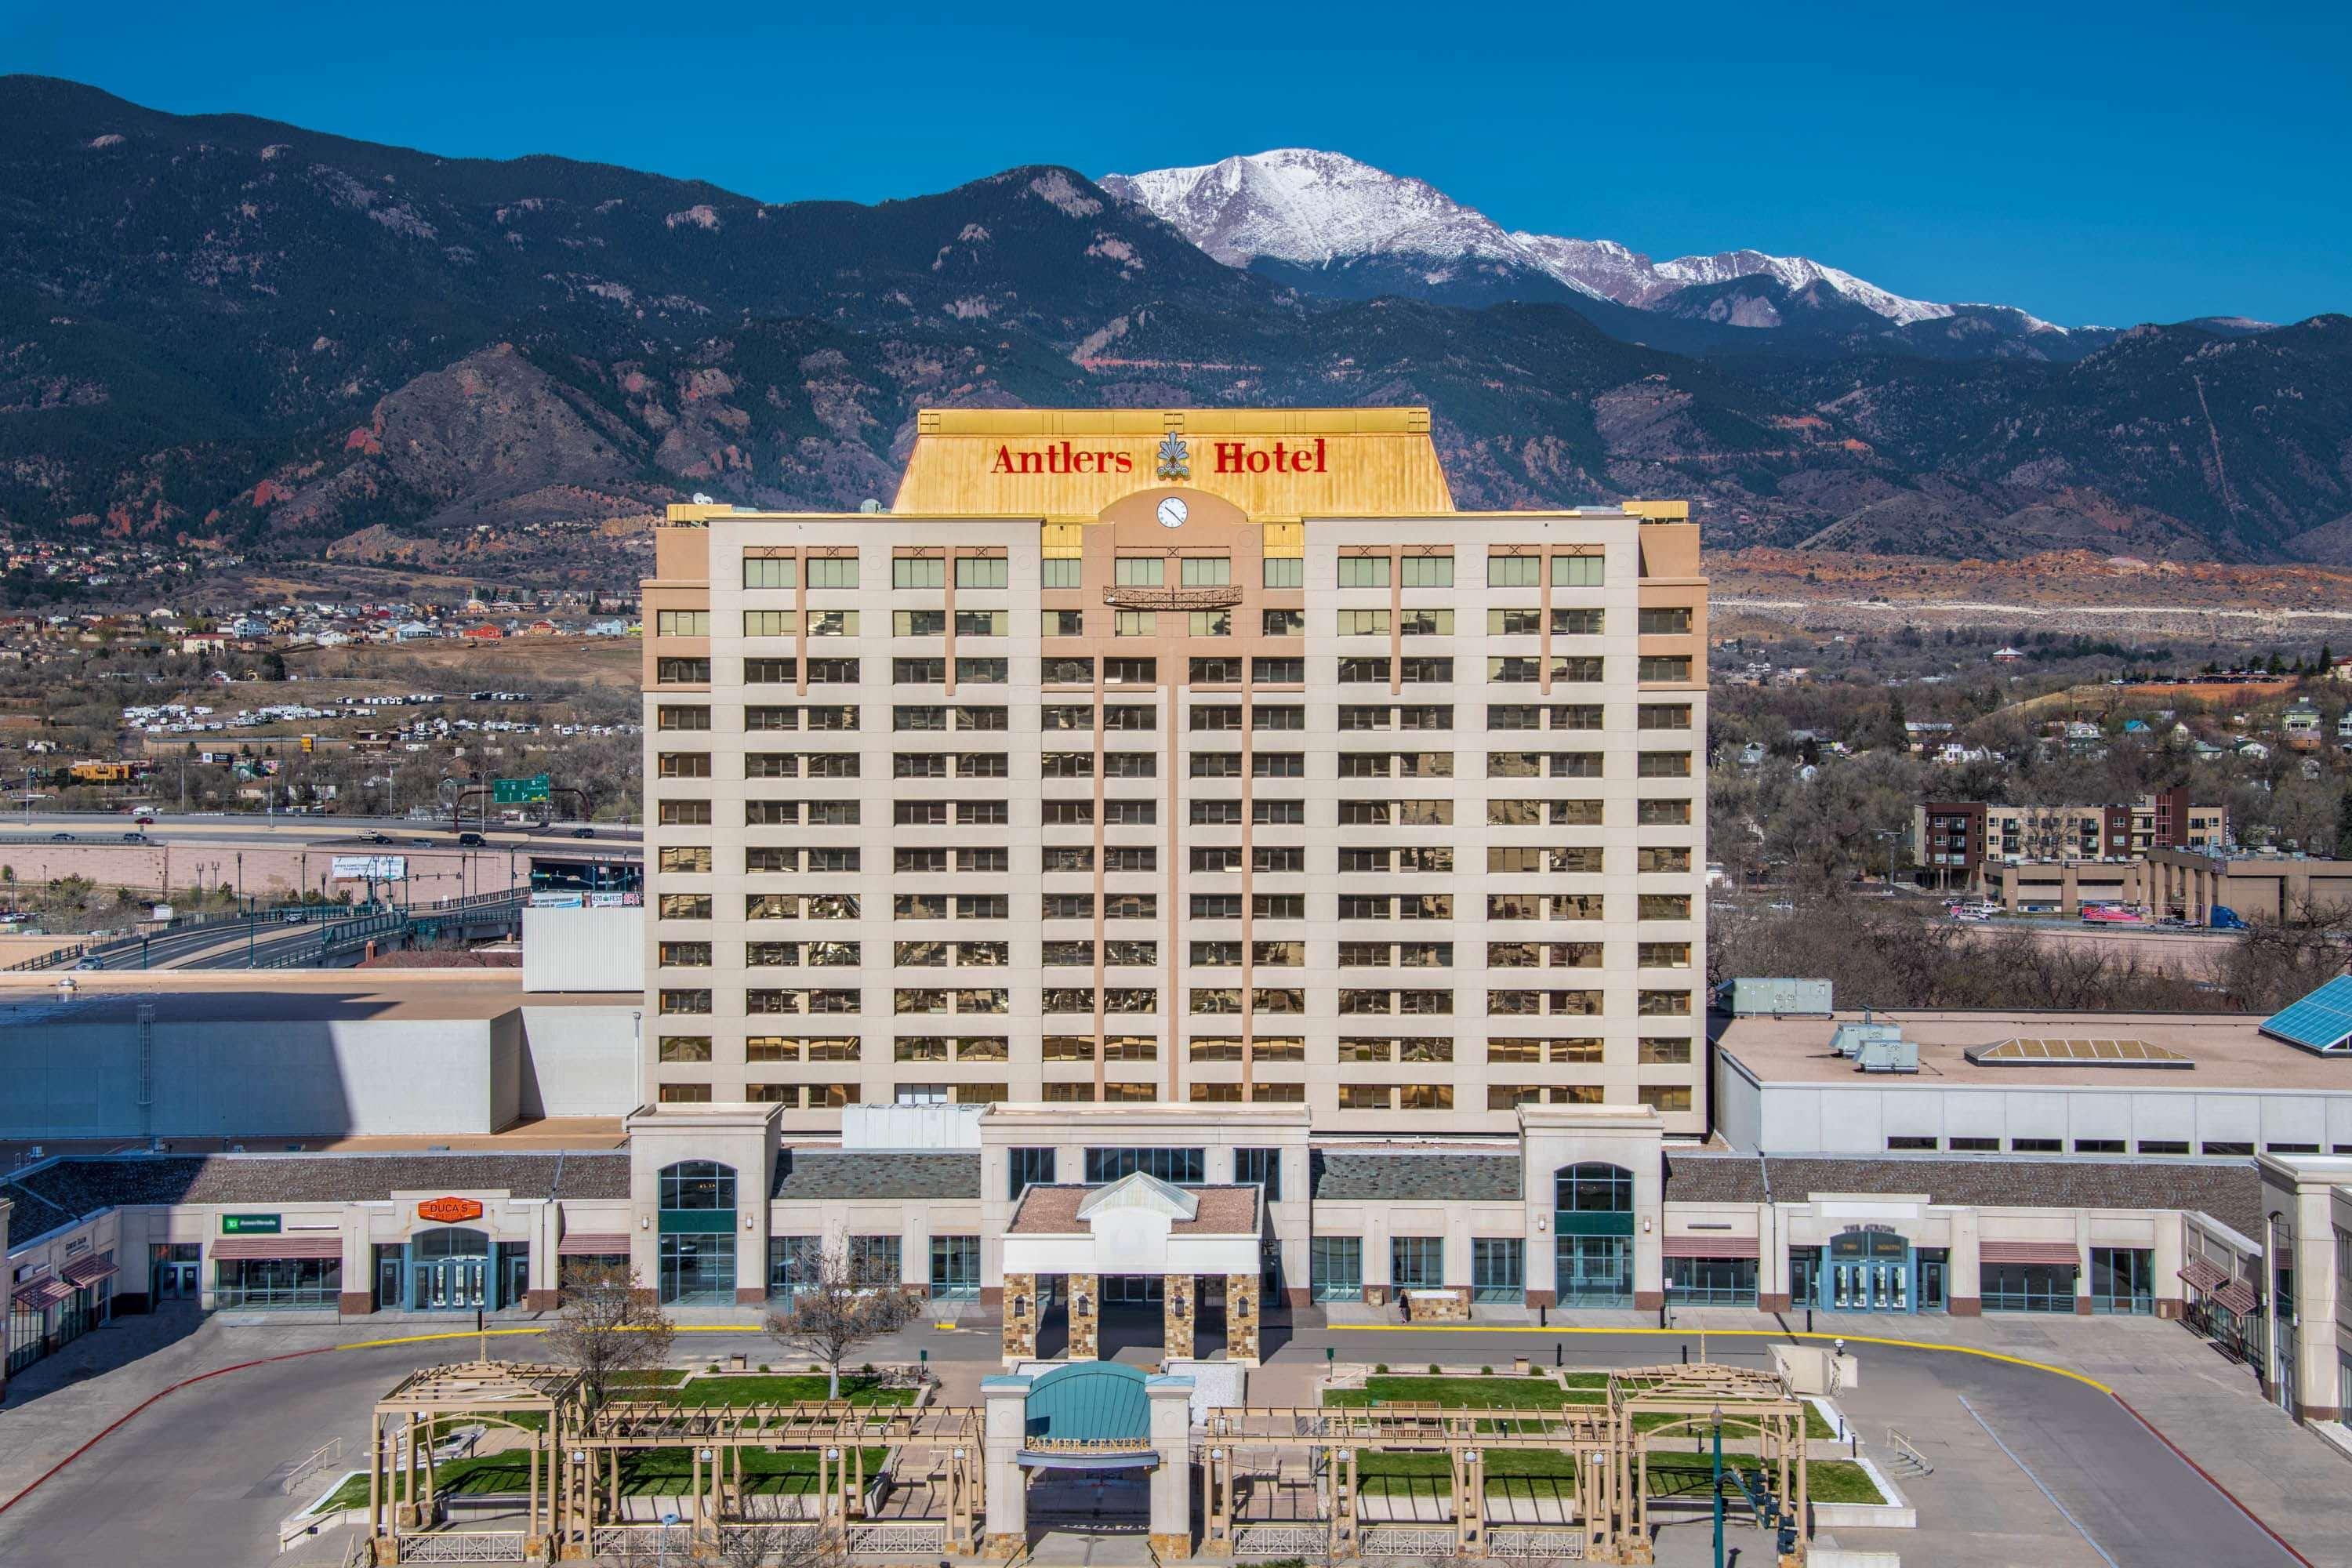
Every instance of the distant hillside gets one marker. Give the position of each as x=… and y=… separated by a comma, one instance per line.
x=220, y=326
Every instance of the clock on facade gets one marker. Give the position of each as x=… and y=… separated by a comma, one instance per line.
x=1173, y=512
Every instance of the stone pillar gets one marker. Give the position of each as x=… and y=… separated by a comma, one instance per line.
x=1085, y=1316
x=1171, y=1479
x=1241, y=1319
x=1179, y=1305
x=1005, y=1492
x=1020, y=1317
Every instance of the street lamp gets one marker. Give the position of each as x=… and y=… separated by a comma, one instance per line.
x=1719, y=1486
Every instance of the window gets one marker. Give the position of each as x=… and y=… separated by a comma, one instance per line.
x=1664, y=667
x=955, y=1259
x=1284, y=572
x=1664, y=814
x=1575, y=570
x=1592, y=1188
x=1277, y=671
x=1364, y=624
x=1711, y=1281
x=1665, y=765
x=1583, y=623
x=770, y=623
x=832, y=572
x=2123, y=1280
x=1514, y=571
x=1497, y=1269
x=771, y=672
x=1260, y=1167
x=1363, y=571
x=1428, y=572
x=693, y=1186
x=1417, y=1262
x=1134, y=623
x=1182, y=1167
x=683, y=765
x=681, y=672
x=675, y=718
x=980, y=572
x=1665, y=621
x=1027, y=1168
x=682, y=624
x=1140, y=571
x=1334, y=1264
x=685, y=814
x=1206, y=571
x=686, y=906
x=874, y=1260
x=1425, y=623
x=2026, y=1287
x=1282, y=623
x=685, y=858
x=2048, y=1146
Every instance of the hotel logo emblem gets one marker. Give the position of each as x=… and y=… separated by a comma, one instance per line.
x=1175, y=458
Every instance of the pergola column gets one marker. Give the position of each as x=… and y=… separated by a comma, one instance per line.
x=1178, y=1303
x=1085, y=1316
x=1241, y=1318
x=1004, y=1493
x=1020, y=1317
x=1172, y=1480
x=1470, y=1501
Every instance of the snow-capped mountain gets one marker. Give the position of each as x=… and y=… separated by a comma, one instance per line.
x=1324, y=210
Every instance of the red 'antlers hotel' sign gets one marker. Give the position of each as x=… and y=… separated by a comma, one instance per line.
x=1224, y=458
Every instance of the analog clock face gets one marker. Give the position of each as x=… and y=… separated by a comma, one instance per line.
x=1173, y=512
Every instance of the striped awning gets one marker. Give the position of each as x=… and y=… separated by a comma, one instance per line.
x=1708, y=1247
x=2238, y=1295
x=235, y=1247
x=90, y=1271
x=593, y=1244
x=2202, y=1273
x=2062, y=1253
x=42, y=1294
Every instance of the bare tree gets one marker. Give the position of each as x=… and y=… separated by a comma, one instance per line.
x=829, y=1316
x=2277, y=962
x=767, y=1537
x=608, y=1328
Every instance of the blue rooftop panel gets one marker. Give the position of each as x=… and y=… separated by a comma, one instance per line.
x=2320, y=1022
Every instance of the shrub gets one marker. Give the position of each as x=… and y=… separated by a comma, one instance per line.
x=1380, y=1367
x=764, y=1366
x=1486, y=1372
x=1434, y=1369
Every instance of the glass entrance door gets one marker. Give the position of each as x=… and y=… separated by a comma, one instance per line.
x=455, y=1282
x=1868, y=1271
x=1595, y=1270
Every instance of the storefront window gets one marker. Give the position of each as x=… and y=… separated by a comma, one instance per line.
x=793, y=1261
x=2027, y=1286
x=698, y=1268
x=2123, y=1280
x=1594, y=1270
x=277, y=1281
x=1711, y=1281
x=955, y=1267
x=874, y=1260
x=1417, y=1262
x=1498, y=1268
x=693, y=1186
x=1335, y=1267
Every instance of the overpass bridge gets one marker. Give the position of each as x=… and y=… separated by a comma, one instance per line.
x=297, y=936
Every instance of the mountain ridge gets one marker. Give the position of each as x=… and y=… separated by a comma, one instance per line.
x=221, y=327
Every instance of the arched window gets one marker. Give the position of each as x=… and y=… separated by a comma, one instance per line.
x=1593, y=1188
x=449, y=1241
x=697, y=1185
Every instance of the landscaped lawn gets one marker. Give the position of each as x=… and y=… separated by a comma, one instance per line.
x=1671, y=1475
x=658, y=1473
x=786, y=1388
x=1532, y=1393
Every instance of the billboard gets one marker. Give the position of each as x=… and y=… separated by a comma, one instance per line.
x=369, y=867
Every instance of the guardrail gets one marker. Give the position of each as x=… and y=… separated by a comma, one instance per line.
x=56, y=958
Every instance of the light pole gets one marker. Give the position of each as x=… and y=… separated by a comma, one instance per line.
x=1718, y=1486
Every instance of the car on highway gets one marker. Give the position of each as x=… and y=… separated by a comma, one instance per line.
x=62, y=838
x=420, y=844
x=583, y=833
x=376, y=838
x=91, y=960
x=136, y=837
x=474, y=840
x=2112, y=914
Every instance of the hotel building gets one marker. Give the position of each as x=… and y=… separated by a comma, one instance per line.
x=1196, y=757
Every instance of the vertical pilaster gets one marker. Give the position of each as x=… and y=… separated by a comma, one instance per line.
x=1241, y=1318
x=1020, y=1317
x=1172, y=1480
x=1085, y=1316
x=1004, y=1494
x=1177, y=1311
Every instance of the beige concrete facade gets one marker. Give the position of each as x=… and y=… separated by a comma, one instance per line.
x=1137, y=796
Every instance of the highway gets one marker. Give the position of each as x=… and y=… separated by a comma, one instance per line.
x=326, y=832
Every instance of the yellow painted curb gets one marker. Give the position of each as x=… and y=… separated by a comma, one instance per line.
x=1731, y=1334
x=496, y=1333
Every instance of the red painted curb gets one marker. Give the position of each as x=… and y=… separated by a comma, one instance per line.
x=124, y=1418
x=2284, y=1544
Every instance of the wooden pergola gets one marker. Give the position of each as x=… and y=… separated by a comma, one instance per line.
x=576, y=1450
x=1609, y=1513
x=526, y=1399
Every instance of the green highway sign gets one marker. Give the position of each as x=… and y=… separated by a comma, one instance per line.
x=249, y=1224
x=518, y=792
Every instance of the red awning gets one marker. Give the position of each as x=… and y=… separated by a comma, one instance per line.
x=237, y=1247
x=593, y=1244
x=88, y=1271
x=2202, y=1273
x=2238, y=1295
x=2058, y=1252
x=42, y=1294
x=1709, y=1246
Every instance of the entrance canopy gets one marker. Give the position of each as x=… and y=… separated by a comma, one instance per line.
x=1137, y=1225
x=1089, y=1414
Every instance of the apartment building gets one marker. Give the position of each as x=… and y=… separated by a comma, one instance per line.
x=1180, y=756
x=1956, y=838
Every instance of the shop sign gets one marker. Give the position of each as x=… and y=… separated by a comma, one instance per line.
x=449, y=1211
x=250, y=1224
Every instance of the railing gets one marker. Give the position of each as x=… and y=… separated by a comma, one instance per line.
x=1278, y=1540
x=330, y=1452
x=1409, y=1541
x=465, y=1546
x=895, y=1538
x=1904, y=1455
x=53, y=959
x=1545, y=1546
x=1147, y=598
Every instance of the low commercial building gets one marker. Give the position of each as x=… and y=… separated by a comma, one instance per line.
x=1958, y=841
x=2260, y=887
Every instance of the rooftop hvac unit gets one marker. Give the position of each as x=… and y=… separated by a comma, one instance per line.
x=1750, y=995
x=1849, y=1039
x=1888, y=1054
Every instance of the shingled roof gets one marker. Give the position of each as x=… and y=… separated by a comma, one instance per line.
x=2231, y=1191
x=1403, y=1176
x=1714, y=1179
x=849, y=1173
x=66, y=1189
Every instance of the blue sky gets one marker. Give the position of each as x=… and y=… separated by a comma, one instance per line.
x=2112, y=164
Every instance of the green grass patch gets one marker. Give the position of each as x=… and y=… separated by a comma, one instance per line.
x=1391, y=1473
x=1451, y=1392
x=1827, y=1480
x=656, y=1473
x=786, y=1388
